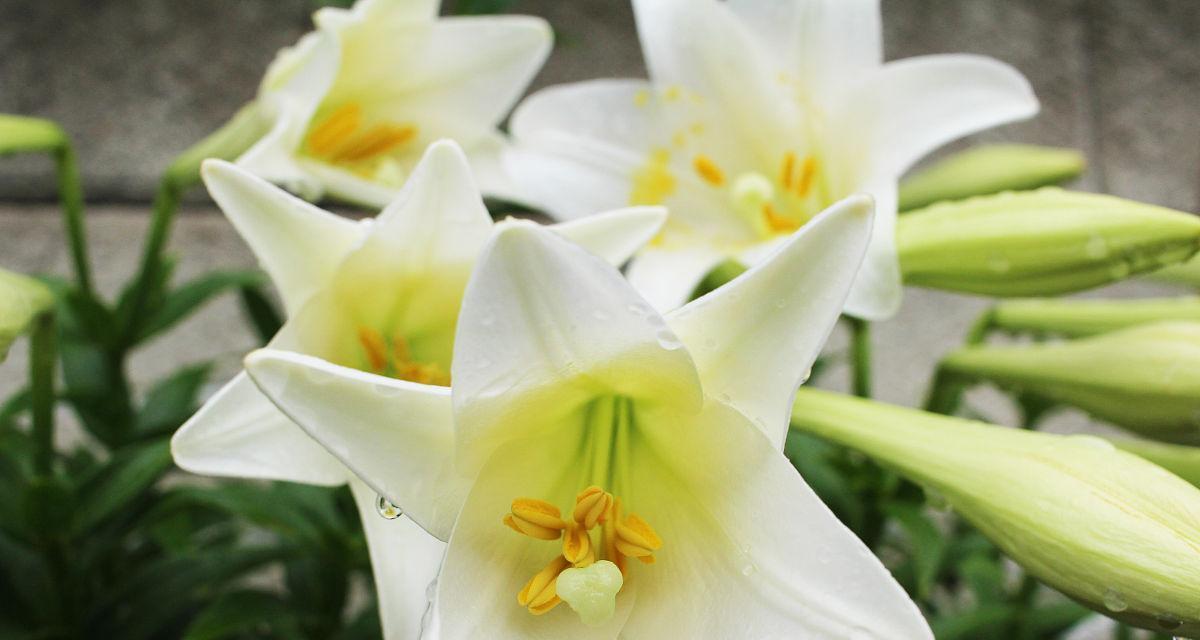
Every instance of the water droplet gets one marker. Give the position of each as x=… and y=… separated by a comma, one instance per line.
x=1114, y=601
x=999, y=264
x=1168, y=621
x=780, y=303
x=386, y=509
x=637, y=309
x=667, y=339
x=1096, y=248
x=806, y=376
x=749, y=570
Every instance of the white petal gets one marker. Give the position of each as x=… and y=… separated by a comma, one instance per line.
x=397, y=436
x=405, y=562
x=877, y=291
x=749, y=551
x=487, y=164
x=488, y=563
x=238, y=433
x=546, y=326
x=755, y=339
x=297, y=244
x=701, y=47
x=615, y=235
x=667, y=277
x=377, y=10
x=922, y=103
x=823, y=43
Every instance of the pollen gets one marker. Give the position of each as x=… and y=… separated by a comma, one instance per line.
x=708, y=170
x=672, y=93
x=596, y=513
x=654, y=182
x=641, y=98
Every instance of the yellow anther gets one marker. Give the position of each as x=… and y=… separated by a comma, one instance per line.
x=653, y=182
x=808, y=171
x=641, y=98
x=591, y=505
x=536, y=519
x=539, y=594
x=636, y=538
x=335, y=129
x=374, y=346
x=679, y=139
x=378, y=140
x=787, y=170
x=577, y=545
x=709, y=170
x=777, y=222
x=672, y=93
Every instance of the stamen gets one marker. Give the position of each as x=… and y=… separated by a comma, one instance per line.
x=807, y=172
x=777, y=222
x=789, y=168
x=378, y=140
x=709, y=170
x=654, y=182
x=340, y=124
x=540, y=594
x=636, y=538
x=536, y=518
x=375, y=348
x=590, y=506
x=577, y=545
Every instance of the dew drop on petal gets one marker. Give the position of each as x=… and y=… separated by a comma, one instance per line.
x=386, y=509
x=1114, y=601
x=749, y=570
x=1168, y=622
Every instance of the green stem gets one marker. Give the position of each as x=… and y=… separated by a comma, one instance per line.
x=1124, y=632
x=41, y=391
x=860, y=356
x=70, y=194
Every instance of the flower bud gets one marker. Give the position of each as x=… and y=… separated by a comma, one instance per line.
x=1077, y=318
x=21, y=300
x=22, y=134
x=1037, y=243
x=990, y=169
x=1146, y=378
x=1109, y=529
x=1181, y=460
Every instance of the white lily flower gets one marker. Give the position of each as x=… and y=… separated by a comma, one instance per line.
x=355, y=103
x=382, y=295
x=658, y=437
x=759, y=114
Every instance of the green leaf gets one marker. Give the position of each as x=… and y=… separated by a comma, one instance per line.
x=21, y=300
x=173, y=400
x=244, y=612
x=814, y=459
x=124, y=479
x=990, y=169
x=1056, y=617
x=262, y=313
x=985, y=576
x=300, y=513
x=928, y=544
x=185, y=300
x=981, y=623
x=22, y=134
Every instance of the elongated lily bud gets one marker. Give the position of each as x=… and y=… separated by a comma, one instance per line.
x=21, y=134
x=1146, y=378
x=21, y=300
x=1181, y=460
x=1111, y=530
x=1184, y=273
x=1037, y=243
x=1077, y=318
x=990, y=169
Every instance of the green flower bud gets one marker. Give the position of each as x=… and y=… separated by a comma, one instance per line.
x=1089, y=317
x=20, y=134
x=990, y=169
x=1181, y=460
x=21, y=300
x=1105, y=527
x=1185, y=273
x=1036, y=243
x=1145, y=378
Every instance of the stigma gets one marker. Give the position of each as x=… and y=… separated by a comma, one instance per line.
x=589, y=570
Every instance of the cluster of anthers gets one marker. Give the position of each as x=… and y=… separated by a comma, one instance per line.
x=393, y=358
x=589, y=571
x=342, y=139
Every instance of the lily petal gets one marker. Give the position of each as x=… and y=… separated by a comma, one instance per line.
x=547, y=326
x=297, y=244
x=924, y=102
x=878, y=291
x=397, y=436
x=404, y=560
x=759, y=557
x=239, y=433
x=823, y=43
x=616, y=235
x=667, y=277
x=755, y=339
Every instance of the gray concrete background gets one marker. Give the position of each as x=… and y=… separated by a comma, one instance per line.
x=136, y=81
